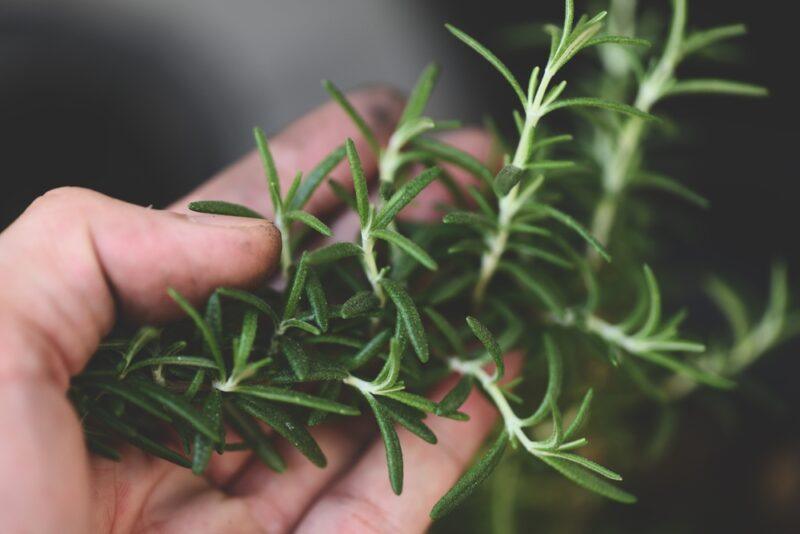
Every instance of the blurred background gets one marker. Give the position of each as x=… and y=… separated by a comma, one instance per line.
x=143, y=99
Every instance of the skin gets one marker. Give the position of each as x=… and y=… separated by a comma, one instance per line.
x=77, y=261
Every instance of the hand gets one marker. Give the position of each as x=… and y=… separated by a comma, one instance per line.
x=77, y=261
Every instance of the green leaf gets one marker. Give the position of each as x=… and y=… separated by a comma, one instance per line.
x=584, y=478
x=317, y=299
x=587, y=464
x=315, y=178
x=394, y=454
x=555, y=371
x=715, y=86
x=569, y=17
x=246, y=339
x=343, y=341
x=203, y=447
x=506, y=179
x=361, y=302
x=549, y=141
x=447, y=330
x=330, y=390
x=544, y=255
x=412, y=399
x=187, y=361
x=456, y=397
x=143, y=337
x=343, y=194
x=219, y=207
x=654, y=304
x=403, y=196
x=359, y=183
x=178, y=406
x=294, y=432
x=194, y=386
x=273, y=181
x=602, y=104
x=296, y=291
x=481, y=201
x=409, y=418
x=368, y=351
x=530, y=229
x=409, y=315
x=124, y=391
x=254, y=301
x=420, y=95
x=318, y=371
x=351, y=112
x=301, y=325
x=473, y=478
x=332, y=253
x=694, y=373
x=408, y=246
x=297, y=397
x=704, y=38
x=549, y=165
x=251, y=433
x=490, y=343
x=451, y=287
x=289, y=198
x=476, y=220
x=571, y=223
x=310, y=221
x=617, y=40
x=213, y=318
x=387, y=377
x=664, y=183
x=581, y=417
x=205, y=331
x=450, y=154
x=133, y=436
x=551, y=301
x=297, y=357
x=491, y=58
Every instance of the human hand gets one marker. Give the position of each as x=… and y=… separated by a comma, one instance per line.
x=77, y=261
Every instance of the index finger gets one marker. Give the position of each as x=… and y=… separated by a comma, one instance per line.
x=302, y=145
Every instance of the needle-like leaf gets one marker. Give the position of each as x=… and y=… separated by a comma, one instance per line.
x=473, y=478
x=410, y=317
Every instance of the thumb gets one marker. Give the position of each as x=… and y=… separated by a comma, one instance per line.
x=75, y=258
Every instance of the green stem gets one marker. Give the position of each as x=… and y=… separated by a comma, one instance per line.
x=619, y=168
x=509, y=205
x=371, y=265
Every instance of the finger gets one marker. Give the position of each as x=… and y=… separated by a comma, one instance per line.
x=67, y=264
x=431, y=471
x=278, y=501
x=301, y=146
x=75, y=256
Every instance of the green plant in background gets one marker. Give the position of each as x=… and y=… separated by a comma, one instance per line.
x=384, y=315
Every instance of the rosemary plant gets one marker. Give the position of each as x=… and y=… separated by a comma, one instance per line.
x=369, y=325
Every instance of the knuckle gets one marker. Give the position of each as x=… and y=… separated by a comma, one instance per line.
x=66, y=199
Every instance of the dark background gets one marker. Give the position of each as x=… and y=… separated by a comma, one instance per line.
x=143, y=115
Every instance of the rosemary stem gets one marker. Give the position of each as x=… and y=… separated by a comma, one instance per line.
x=514, y=426
x=371, y=266
x=618, y=170
x=508, y=205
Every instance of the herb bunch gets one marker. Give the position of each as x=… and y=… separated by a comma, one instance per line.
x=366, y=326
